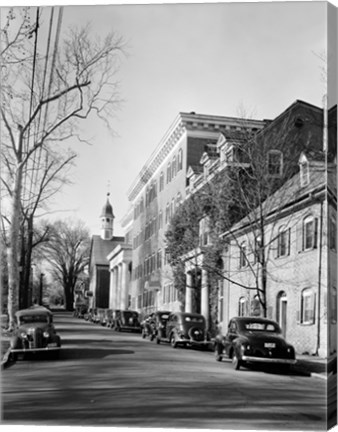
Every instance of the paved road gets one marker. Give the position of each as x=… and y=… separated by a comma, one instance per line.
x=119, y=379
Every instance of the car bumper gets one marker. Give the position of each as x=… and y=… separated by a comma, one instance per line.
x=268, y=360
x=194, y=342
x=22, y=350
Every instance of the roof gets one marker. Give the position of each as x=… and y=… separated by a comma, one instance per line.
x=34, y=310
x=289, y=193
x=107, y=209
x=101, y=248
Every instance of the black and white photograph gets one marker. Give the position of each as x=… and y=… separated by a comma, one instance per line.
x=169, y=215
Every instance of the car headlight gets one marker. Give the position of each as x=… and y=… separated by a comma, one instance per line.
x=23, y=335
x=46, y=334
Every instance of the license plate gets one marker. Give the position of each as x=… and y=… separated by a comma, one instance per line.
x=269, y=345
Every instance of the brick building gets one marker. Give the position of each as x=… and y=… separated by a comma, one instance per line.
x=301, y=285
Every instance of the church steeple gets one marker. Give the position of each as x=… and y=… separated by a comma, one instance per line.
x=107, y=220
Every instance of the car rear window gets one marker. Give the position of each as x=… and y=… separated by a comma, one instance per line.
x=193, y=319
x=164, y=316
x=259, y=326
x=26, y=319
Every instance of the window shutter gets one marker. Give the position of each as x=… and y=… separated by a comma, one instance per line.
x=299, y=235
x=299, y=310
x=289, y=241
x=315, y=229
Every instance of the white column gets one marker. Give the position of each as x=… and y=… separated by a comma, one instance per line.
x=115, y=287
x=111, y=289
x=205, y=296
x=119, y=287
x=124, y=286
x=188, y=292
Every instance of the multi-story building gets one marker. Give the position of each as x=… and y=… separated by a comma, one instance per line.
x=301, y=285
x=157, y=191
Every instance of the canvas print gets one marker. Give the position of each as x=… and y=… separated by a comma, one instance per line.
x=169, y=215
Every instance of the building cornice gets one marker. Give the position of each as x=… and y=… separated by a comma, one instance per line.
x=194, y=125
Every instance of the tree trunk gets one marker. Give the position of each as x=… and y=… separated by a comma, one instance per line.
x=13, y=250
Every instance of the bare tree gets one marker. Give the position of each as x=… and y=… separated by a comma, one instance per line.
x=67, y=253
x=44, y=97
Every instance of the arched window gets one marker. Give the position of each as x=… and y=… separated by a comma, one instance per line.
x=169, y=173
x=172, y=208
x=275, y=163
x=180, y=160
x=255, y=306
x=281, y=311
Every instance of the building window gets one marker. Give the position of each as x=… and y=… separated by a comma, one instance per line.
x=243, y=262
x=167, y=213
x=178, y=199
x=168, y=173
x=307, y=307
x=160, y=220
x=172, y=208
x=275, y=163
x=333, y=232
x=161, y=181
x=304, y=173
x=242, y=306
x=204, y=231
x=283, y=242
x=173, y=168
x=255, y=306
x=180, y=160
x=309, y=233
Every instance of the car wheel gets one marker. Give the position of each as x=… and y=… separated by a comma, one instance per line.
x=173, y=342
x=236, y=362
x=218, y=354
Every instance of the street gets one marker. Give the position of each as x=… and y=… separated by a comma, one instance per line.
x=105, y=378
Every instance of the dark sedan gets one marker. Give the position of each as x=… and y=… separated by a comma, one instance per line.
x=254, y=340
x=34, y=332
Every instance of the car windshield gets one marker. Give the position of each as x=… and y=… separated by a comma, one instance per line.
x=260, y=326
x=193, y=319
x=128, y=315
x=27, y=319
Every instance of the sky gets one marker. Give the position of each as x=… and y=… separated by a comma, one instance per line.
x=209, y=58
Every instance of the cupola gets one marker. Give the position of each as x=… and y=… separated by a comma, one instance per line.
x=107, y=220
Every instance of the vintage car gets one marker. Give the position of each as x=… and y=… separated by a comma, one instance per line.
x=127, y=320
x=160, y=324
x=252, y=340
x=186, y=329
x=148, y=326
x=34, y=332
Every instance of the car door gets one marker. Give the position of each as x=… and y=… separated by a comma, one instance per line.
x=169, y=326
x=231, y=335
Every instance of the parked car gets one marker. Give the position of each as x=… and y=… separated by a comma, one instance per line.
x=160, y=325
x=186, y=329
x=254, y=340
x=148, y=326
x=34, y=332
x=127, y=320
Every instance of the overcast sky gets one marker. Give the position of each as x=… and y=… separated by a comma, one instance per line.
x=207, y=58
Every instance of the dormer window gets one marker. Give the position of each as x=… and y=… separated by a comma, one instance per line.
x=304, y=172
x=275, y=163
